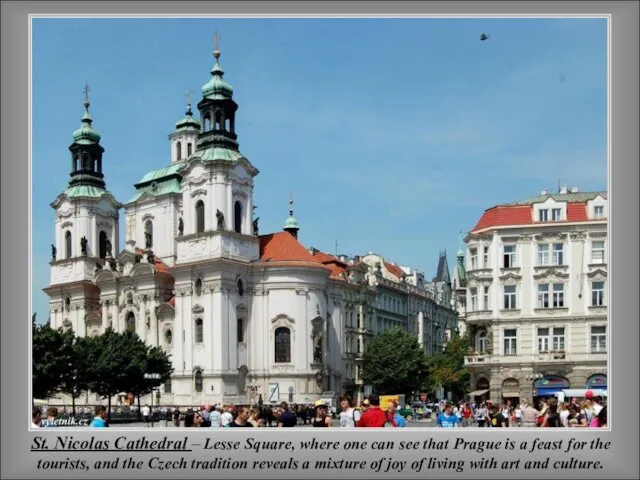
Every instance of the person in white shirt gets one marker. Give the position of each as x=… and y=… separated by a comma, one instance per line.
x=349, y=416
x=227, y=417
x=215, y=417
x=518, y=415
x=146, y=412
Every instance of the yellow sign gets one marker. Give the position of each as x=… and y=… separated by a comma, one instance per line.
x=385, y=400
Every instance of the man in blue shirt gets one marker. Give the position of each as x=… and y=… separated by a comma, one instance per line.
x=393, y=411
x=447, y=419
x=100, y=420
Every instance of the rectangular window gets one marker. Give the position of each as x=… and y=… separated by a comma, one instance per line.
x=509, y=297
x=510, y=345
x=543, y=295
x=556, y=214
x=597, y=294
x=240, y=332
x=558, y=254
x=189, y=149
x=598, y=211
x=509, y=260
x=485, y=300
x=485, y=258
x=597, y=251
x=543, y=340
x=543, y=215
x=599, y=339
x=167, y=386
x=474, y=299
x=558, y=339
x=473, y=254
x=543, y=254
x=558, y=295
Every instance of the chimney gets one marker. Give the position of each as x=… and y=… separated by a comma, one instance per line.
x=356, y=258
x=544, y=192
x=574, y=189
x=563, y=189
x=343, y=258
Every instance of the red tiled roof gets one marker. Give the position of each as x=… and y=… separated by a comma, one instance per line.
x=158, y=264
x=508, y=215
x=284, y=247
x=394, y=269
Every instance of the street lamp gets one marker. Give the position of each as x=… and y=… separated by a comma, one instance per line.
x=152, y=376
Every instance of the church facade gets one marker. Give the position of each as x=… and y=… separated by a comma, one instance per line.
x=245, y=317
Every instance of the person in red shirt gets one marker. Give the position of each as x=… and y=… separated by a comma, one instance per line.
x=374, y=417
x=466, y=415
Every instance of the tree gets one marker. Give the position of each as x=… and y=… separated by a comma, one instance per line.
x=49, y=360
x=75, y=378
x=448, y=369
x=108, y=366
x=394, y=363
x=145, y=360
x=117, y=363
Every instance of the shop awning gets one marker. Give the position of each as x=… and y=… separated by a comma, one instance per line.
x=477, y=393
x=510, y=394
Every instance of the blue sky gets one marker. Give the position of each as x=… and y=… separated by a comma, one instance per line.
x=393, y=134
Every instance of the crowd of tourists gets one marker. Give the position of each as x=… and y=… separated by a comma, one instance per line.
x=589, y=412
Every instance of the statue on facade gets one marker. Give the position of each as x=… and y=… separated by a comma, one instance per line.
x=317, y=352
x=53, y=252
x=220, y=217
x=147, y=240
x=108, y=247
x=83, y=245
x=255, y=226
x=180, y=226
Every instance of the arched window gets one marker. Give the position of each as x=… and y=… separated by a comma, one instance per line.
x=283, y=345
x=481, y=342
x=85, y=161
x=199, y=333
x=131, y=322
x=167, y=385
x=240, y=288
x=103, y=244
x=189, y=149
x=168, y=336
x=178, y=150
x=237, y=217
x=198, y=381
x=67, y=244
x=199, y=216
x=207, y=123
x=148, y=234
x=67, y=304
x=198, y=287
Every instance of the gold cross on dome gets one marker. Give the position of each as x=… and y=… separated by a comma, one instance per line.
x=216, y=40
x=188, y=97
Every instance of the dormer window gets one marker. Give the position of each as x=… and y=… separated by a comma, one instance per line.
x=556, y=214
x=543, y=215
x=598, y=211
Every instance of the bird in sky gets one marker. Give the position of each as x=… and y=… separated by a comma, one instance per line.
x=484, y=37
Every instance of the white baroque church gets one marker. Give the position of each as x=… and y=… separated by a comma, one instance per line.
x=243, y=316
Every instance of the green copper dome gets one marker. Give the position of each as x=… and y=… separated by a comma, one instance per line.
x=188, y=122
x=86, y=134
x=291, y=223
x=217, y=88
